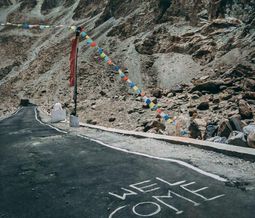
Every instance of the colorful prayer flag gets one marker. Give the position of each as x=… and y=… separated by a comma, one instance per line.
x=89, y=41
x=132, y=85
x=135, y=88
x=151, y=105
x=100, y=50
x=139, y=91
x=106, y=59
x=166, y=117
x=103, y=55
x=83, y=34
x=93, y=44
x=122, y=75
x=116, y=68
x=159, y=110
x=147, y=101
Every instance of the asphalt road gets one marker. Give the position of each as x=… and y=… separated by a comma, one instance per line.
x=46, y=173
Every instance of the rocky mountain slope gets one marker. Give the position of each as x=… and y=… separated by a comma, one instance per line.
x=195, y=57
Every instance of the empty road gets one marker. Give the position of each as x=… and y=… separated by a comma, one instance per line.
x=45, y=173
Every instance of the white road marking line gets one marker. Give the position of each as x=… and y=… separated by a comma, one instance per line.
x=36, y=117
x=216, y=177
x=182, y=163
x=111, y=215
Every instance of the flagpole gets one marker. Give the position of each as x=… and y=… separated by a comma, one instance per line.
x=78, y=31
x=74, y=120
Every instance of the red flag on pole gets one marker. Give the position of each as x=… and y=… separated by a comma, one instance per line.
x=73, y=61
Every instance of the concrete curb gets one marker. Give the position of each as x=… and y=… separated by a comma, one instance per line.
x=230, y=150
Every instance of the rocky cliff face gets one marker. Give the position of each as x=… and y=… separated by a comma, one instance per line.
x=196, y=57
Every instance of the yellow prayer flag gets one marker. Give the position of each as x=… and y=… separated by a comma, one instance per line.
x=135, y=88
x=103, y=55
x=151, y=105
x=170, y=120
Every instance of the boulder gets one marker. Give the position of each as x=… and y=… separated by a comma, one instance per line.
x=177, y=89
x=233, y=113
x=249, y=84
x=249, y=129
x=171, y=94
x=112, y=119
x=211, y=130
x=194, y=96
x=134, y=110
x=203, y=105
x=249, y=101
x=251, y=140
x=239, y=71
x=92, y=122
x=102, y=93
x=154, y=125
x=237, y=88
x=237, y=138
x=192, y=112
x=224, y=129
x=223, y=87
x=218, y=139
x=210, y=86
x=249, y=95
x=216, y=107
x=225, y=96
x=236, y=123
x=223, y=104
x=197, y=93
x=245, y=110
x=157, y=93
x=184, y=96
x=197, y=128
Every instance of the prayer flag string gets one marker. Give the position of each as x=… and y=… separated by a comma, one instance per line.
x=124, y=77
x=36, y=26
x=90, y=42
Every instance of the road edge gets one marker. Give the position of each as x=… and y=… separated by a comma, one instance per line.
x=231, y=150
x=11, y=114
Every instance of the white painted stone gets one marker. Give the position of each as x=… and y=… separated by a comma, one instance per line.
x=58, y=114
